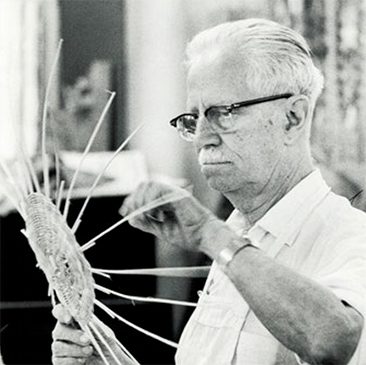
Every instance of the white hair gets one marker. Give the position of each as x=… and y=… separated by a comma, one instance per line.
x=276, y=58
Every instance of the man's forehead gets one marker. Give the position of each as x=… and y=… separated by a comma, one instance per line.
x=221, y=63
x=216, y=81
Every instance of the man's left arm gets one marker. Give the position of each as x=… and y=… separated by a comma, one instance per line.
x=303, y=315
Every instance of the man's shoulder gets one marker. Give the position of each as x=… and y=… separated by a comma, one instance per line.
x=338, y=215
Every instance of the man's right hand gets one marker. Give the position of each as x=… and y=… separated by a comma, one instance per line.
x=72, y=346
x=184, y=222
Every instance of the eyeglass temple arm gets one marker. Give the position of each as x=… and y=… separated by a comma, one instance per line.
x=261, y=100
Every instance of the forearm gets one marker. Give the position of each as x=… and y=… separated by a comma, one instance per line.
x=304, y=316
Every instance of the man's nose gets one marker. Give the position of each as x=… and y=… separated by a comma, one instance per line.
x=205, y=134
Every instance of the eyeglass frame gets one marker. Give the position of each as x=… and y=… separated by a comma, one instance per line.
x=229, y=108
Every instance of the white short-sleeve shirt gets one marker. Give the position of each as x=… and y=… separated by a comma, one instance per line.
x=312, y=231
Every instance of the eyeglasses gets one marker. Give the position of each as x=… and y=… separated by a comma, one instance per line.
x=219, y=116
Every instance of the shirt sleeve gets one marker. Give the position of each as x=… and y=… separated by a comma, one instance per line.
x=342, y=269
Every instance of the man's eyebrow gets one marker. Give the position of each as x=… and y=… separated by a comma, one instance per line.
x=195, y=106
x=192, y=109
x=196, y=110
x=221, y=103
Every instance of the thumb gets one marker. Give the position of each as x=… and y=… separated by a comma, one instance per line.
x=61, y=314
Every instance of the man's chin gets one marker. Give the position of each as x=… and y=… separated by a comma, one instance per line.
x=220, y=184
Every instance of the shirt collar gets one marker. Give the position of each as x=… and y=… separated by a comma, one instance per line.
x=286, y=217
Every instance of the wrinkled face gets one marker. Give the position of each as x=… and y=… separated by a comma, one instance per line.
x=247, y=156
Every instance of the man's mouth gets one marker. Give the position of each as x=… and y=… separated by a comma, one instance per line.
x=206, y=158
x=215, y=163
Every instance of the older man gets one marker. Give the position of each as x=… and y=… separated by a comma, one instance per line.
x=288, y=282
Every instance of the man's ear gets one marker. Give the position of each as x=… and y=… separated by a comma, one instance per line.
x=297, y=114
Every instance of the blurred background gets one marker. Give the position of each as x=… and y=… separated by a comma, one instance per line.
x=137, y=48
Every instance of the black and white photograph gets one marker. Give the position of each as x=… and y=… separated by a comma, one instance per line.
x=183, y=182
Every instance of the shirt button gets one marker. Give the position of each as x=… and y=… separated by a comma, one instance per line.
x=209, y=286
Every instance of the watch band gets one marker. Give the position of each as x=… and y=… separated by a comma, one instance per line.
x=232, y=249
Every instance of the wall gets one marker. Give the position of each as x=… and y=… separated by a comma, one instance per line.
x=92, y=30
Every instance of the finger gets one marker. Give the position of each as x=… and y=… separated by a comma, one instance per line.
x=155, y=215
x=145, y=193
x=133, y=201
x=61, y=314
x=140, y=197
x=63, y=349
x=144, y=223
x=70, y=334
x=68, y=360
x=158, y=194
x=148, y=192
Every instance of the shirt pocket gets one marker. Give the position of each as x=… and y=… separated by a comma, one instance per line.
x=255, y=349
x=210, y=337
x=256, y=345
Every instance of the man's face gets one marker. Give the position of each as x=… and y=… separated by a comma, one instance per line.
x=248, y=156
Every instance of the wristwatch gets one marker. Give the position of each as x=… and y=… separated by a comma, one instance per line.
x=232, y=249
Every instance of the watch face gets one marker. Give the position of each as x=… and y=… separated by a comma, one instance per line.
x=231, y=250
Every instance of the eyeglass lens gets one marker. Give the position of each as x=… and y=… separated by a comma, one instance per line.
x=186, y=126
x=218, y=117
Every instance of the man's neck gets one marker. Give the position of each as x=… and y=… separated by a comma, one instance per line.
x=254, y=208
